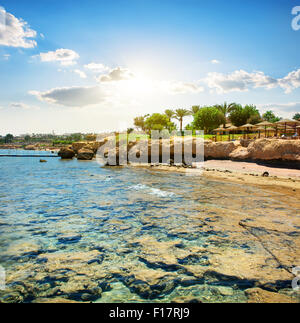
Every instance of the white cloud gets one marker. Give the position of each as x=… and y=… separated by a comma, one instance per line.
x=181, y=87
x=243, y=81
x=291, y=81
x=285, y=109
x=80, y=73
x=116, y=74
x=15, y=32
x=21, y=105
x=95, y=67
x=65, y=57
x=73, y=96
x=215, y=61
x=239, y=81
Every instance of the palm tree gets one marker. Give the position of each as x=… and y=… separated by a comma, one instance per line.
x=170, y=114
x=180, y=114
x=225, y=109
x=195, y=109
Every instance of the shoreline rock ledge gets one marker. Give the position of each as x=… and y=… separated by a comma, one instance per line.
x=257, y=150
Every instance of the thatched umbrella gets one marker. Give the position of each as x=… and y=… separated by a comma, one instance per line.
x=260, y=129
x=220, y=129
x=298, y=130
x=232, y=128
x=288, y=122
x=286, y=129
x=247, y=127
x=270, y=129
x=265, y=124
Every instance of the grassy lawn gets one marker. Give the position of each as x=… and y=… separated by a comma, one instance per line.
x=133, y=137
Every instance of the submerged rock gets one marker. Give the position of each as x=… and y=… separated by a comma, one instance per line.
x=185, y=300
x=258, y=295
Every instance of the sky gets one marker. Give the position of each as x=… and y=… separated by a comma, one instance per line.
x=92, y=66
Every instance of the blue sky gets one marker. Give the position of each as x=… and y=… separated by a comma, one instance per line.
x=93, y=65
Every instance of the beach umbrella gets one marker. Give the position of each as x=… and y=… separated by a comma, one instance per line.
x=260, y=129
x=247, y=127
x=286, y=129
x=220, y=129
x=288, y=122
x=232, y=128
x=265, y=124
x=269, y=129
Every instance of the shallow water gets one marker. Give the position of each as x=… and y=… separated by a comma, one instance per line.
x=75, y=230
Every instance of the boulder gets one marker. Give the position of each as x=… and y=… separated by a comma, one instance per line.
x=240, y=153
x=94, y=145
x=85, y=154
x=219, y=150
x=76, y=146
x=275, y=149
x=66, y=153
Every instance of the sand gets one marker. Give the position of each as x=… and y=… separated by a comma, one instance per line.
x=284, y=179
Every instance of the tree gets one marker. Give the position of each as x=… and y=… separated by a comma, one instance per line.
x=8, y=138
x=254, y=119
x=297, y=116
x=180, y=114
x=27, y=138
x=139, y=122
x=270, y=117
x=170, y=114
x=225, y=109
x=207, y=119
x=130, y=130
x=157, y=121
x=195, y=109
x=240, y=116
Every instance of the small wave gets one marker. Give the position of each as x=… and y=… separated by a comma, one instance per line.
x=152, y=191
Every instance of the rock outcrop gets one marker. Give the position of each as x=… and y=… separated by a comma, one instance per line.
x=266, y=149
x=66, y=153
x=85, y=154
x=258, y=295
x=92, y=145
x=219, y=149
x=30, y=147
x=152, y=151
x=76, y=146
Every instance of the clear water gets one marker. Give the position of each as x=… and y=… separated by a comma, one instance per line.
x=93, y=220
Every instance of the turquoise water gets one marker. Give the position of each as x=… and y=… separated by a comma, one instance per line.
x=74, y=230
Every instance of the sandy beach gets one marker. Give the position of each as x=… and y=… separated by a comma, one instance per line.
x=284, y=179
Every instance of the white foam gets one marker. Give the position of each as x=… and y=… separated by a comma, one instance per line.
x=152, y=191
